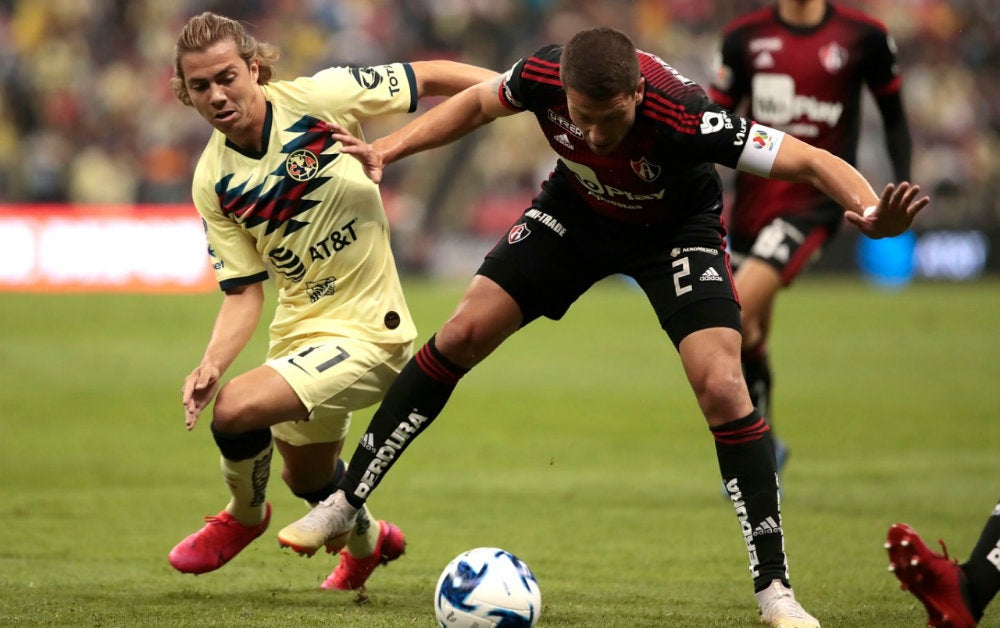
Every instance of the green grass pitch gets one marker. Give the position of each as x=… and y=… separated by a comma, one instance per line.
x=577, y=446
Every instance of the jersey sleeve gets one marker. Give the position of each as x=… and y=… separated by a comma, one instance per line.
x=717, y=134
x=351, y=94
x=881, y=66
x=730, y=80
x=734, y=141
x=531, y=76
x=231, y=250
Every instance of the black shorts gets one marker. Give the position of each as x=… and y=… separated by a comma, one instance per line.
x=559, y=248
x=789, y=243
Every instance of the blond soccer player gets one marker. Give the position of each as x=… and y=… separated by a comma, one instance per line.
x=275, y=193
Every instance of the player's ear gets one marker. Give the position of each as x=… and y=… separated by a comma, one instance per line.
x=640, y=90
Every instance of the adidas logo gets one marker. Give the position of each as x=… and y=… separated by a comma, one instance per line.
x=767, y=526
x=368, y=441
x=710, y=275
x=563, y=139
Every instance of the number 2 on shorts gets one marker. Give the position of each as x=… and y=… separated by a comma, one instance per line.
x=682, y=268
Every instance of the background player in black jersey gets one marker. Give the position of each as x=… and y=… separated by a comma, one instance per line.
x=634, y=191
x=955, y=595
x=799, y=66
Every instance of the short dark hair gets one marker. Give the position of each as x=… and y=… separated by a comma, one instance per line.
x=600, y=63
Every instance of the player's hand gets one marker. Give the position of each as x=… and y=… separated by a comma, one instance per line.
x=894, y=213
x=370, y=158
x=199, y=389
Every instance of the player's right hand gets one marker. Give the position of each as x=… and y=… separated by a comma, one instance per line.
x=200, y=387
x=371, y=159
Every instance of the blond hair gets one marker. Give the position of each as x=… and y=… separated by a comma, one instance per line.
x=209, y=28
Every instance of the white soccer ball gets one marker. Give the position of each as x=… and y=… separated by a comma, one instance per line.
x=487, y=587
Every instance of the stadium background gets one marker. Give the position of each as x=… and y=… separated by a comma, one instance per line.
x=578, y=446
x=87, y=118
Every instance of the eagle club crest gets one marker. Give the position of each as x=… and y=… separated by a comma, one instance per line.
x=302, y=165
x=646, y=170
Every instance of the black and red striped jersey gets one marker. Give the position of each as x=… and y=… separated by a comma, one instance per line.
x=663, y=170
x=806, y=81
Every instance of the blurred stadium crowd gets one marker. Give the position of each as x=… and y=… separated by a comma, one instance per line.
x=86, y=115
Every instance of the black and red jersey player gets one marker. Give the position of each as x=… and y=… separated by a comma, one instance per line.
x=634, y=191
x=799, y=66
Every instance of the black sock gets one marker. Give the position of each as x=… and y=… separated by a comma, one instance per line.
x=414, y=400
x=241, y=446
x=746, y=460
x=983, y=567
x=757, y=373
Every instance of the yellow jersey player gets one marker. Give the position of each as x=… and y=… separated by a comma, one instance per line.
x=276, y=195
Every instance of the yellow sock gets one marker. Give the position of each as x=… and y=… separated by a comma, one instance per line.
x=247, y=481
x=364, y=536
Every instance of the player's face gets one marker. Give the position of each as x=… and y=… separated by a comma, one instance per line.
x=604, y=123
x=225, y=91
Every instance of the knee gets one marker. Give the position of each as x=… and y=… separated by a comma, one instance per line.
x=460, y=340
x=230, y=412
x=721, y=393
x=719, y=383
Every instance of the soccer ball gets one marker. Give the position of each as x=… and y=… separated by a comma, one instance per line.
x=487, y=587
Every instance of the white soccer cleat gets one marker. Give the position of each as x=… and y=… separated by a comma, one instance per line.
x=779, y=609
x=329, y=523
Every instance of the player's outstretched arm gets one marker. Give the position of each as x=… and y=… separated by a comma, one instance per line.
x=234, y=325
x=447, y=78
x=459, y=115
x=876, y=216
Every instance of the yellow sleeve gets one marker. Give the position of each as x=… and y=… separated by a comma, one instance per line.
x=232, y=251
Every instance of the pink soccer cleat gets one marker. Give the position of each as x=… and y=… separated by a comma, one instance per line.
x=934, y=579
x=211, y=547
x=352, y=573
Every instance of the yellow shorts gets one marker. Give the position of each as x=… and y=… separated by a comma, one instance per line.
x=333, y=376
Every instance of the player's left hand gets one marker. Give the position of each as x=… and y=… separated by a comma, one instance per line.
x=371, y=159
x=199, y=389
x=894, y=213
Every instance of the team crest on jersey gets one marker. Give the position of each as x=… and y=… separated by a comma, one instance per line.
x=302, y=165
x=366, y=77
x=647, y=171
x=517, y=233
x=833, y=57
